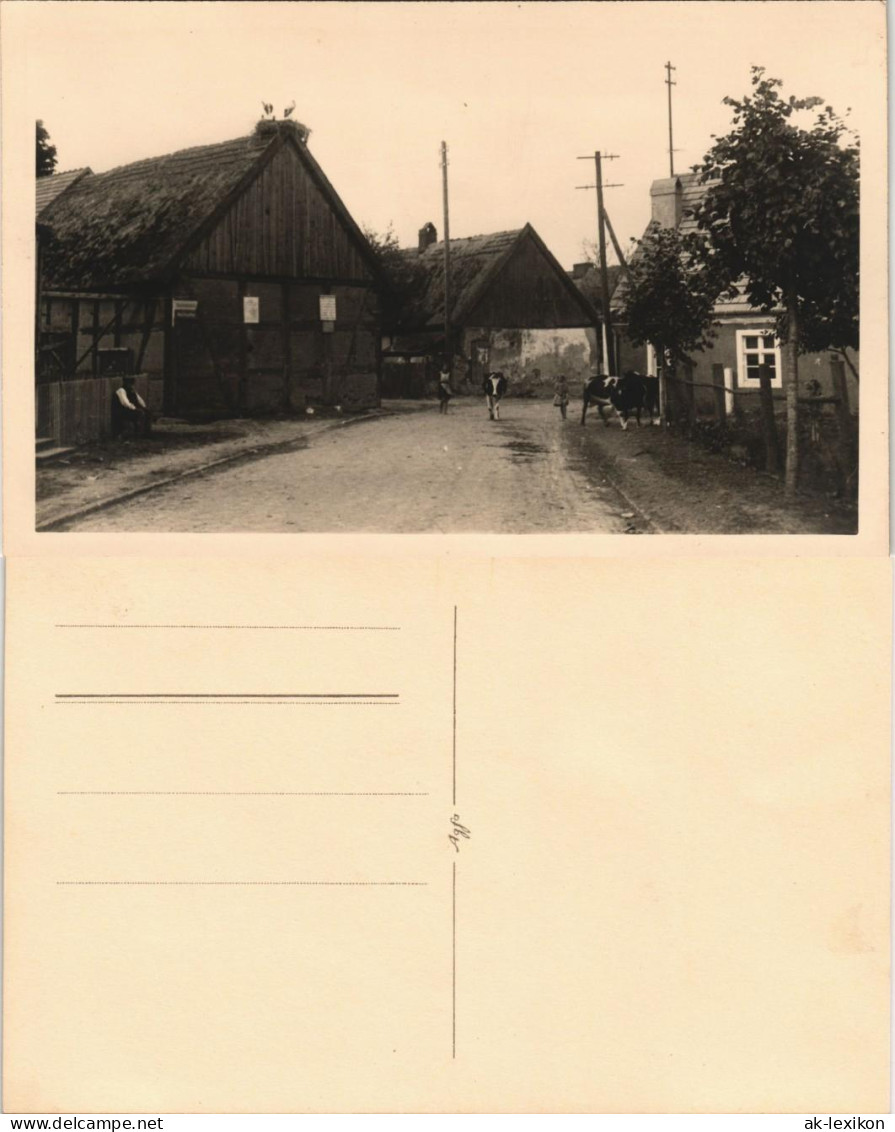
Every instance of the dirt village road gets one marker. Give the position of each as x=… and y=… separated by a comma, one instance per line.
x=530, y=472
x=420, y=473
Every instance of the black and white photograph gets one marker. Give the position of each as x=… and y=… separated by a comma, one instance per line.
x=450, y=268
x=358, y=761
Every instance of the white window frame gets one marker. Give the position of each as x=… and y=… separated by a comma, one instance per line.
x=744, y=382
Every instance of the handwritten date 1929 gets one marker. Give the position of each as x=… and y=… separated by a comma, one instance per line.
x=458, y=831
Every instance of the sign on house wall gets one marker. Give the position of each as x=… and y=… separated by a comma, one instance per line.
x=327, y=308
x=183, y=308
x=251, y=308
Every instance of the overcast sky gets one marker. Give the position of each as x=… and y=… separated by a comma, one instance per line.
x=518, y=91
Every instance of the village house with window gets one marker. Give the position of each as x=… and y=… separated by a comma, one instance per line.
x=230, y=278
x=512, y=308
x=744, y=336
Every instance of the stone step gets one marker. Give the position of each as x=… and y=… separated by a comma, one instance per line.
x=48, y=455
x=44, y=442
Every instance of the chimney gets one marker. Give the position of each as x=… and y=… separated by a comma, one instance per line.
x=428, y=236
x=667, y=198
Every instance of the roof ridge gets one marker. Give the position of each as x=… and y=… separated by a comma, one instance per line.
x=65, y=173
x=261, y=143
x=133, y=222
x=505, y=232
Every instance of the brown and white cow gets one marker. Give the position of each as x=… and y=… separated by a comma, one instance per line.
x=494, y=386
x=629, y=394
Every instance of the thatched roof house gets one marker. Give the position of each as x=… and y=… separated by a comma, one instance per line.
x=136, y=223
x=511, y=305
x=511, y=277
x=503, y=280
x=204, y=270
x=50, y=189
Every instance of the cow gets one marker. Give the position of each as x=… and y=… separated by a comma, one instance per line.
x=631, y=393
x=494, y=386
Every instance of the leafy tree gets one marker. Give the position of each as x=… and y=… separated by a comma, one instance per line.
x=46, y=152
x=781, y=214
x=397, y=273
x=590, y=285
x=669, y=295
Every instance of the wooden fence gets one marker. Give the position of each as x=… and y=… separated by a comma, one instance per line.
x=404, y=378
x=78, y=411
x=830, y=427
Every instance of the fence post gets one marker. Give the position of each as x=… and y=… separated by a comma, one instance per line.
x=730, y=401
x=718, y=382
x=840, y=390
x=689, y=396
x=663, y=394
x=768, y=422
x=847, y=448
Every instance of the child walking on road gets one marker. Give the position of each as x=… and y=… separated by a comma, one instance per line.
x=561, y=395
x=445, y=393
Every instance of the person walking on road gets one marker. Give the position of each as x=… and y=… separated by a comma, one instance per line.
x=561, y=395
x=445, y=393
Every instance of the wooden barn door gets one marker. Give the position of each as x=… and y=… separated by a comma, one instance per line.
x=206, y=347
x=266, y=346
x=353, y=350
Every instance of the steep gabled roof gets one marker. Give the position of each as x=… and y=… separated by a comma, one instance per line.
x=476, y=261
x=693, y=189
x=133, y=224
x=49, y=189
x=692, y=192
x=472, y=259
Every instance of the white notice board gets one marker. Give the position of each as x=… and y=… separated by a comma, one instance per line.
x=183, y=308
x=328, y=308
x=251, y=308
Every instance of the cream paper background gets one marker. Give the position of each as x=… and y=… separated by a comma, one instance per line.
x=674, y=898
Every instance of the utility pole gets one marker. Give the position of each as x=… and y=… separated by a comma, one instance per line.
x=608, y=342
x=669, y=82
x=448, y=345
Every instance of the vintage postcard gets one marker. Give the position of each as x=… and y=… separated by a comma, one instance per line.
x=305, y=838
x=449, y=269
x=358, y=757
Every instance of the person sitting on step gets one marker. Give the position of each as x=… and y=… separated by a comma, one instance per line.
x=129, y=410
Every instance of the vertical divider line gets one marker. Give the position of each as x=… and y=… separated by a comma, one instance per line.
x=454, y=968
x=455, y=707
x=454, y=874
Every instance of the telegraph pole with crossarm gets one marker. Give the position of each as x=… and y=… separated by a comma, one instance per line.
x=448, y=343
x=669, y=82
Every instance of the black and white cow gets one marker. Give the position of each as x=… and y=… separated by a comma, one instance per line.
x=629, y=394
x=494, y=386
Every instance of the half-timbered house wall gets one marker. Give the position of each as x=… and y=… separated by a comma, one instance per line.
x=283, y=243
x=250, y=219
